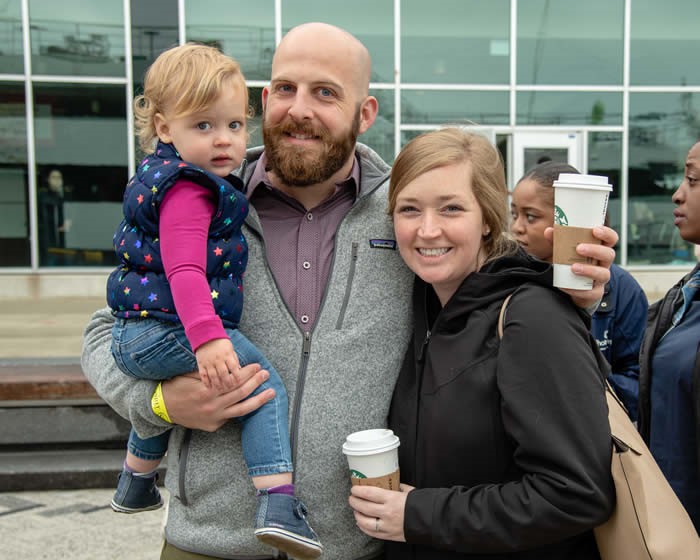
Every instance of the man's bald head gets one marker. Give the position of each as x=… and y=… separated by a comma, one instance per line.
x=334, y=42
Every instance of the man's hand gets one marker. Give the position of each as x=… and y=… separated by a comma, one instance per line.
x=603, y=256
x=192, y=405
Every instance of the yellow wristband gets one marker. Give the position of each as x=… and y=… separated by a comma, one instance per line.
x=158, y=404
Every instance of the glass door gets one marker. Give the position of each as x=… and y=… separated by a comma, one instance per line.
x=531, y=148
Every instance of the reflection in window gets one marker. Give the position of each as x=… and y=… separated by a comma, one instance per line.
x=14, y=217
x=570, y=42
x=153, y=30
x=662, y=128
x=551, y=107
x=605, y=158
x=535, y=156
x=464, y=41
x=441, y=107
x=371, y=21
x=250, y=40
x=77, y=38
x=380, y=136
x=11, y=47
x=664, y=43
x=80, y=135
x=255, y=124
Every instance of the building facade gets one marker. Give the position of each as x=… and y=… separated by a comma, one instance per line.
x=613, y=86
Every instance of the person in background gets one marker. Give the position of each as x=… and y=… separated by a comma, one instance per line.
x=669, y=378
x=327, y=300
x=505, y=448
x=618, y=323
x=178, y=292
x=52, y=222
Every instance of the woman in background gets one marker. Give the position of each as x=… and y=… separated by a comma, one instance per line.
x=669, y=379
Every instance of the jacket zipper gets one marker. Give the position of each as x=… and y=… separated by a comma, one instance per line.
x=424, y=347
x=183, y=456
x=305, y=351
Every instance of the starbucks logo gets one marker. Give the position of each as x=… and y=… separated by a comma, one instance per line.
x=560, y=218
x=356, y=474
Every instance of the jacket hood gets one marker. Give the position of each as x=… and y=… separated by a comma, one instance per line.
x=491, y=284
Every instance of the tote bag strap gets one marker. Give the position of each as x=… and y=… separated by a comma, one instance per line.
x=502, y=315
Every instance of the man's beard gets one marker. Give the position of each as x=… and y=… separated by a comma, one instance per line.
x=298, y=166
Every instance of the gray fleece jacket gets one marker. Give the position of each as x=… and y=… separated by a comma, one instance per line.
x=339, y=379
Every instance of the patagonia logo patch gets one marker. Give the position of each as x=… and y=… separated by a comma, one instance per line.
x=382, y=244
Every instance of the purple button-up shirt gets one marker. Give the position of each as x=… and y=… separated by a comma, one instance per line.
x=299, y=242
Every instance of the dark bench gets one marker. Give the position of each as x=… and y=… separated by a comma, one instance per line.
x=44, y=382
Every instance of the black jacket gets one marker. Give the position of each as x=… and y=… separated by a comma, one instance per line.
x=507, y=441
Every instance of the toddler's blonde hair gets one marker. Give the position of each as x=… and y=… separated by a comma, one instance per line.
x=181, y=81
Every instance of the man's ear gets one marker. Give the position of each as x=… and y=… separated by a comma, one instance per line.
x=162, y=128
x=368, y=113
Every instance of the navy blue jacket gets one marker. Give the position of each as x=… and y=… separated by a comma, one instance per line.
x=139, y=288
x=660, y=317
x=618, y=327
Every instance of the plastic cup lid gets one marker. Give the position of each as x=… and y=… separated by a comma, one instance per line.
x=574, y=180
x=370, y=442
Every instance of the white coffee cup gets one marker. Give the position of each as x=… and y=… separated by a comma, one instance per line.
x=373, y=458
x=580, y=203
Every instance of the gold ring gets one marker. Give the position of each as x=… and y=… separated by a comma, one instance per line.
x=376, y=525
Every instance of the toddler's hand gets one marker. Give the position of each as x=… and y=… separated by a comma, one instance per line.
x=218, y=364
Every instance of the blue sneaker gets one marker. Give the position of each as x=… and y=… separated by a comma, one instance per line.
x=281, y=522
x=136, y=493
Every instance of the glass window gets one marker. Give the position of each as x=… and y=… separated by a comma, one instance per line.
x=255, y=124
x=14, y=214
x=81, y=154
x=11, y=47
x=499, y=140
x=459, y=41
x=605, y=158
x=570, y=42
x=569, y=107
x=77, y=38
x=663, y=127
x=380, y=136
x=371, y=21
x=664, y=43
x=439, y=107
x=250, y=40
x=153, y=30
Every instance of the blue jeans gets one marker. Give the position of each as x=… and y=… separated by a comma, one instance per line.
x=158, y=350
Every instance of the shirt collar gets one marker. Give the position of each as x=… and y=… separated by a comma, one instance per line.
x=259, y=177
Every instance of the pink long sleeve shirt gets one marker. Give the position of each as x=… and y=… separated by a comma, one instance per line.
x=185, y=216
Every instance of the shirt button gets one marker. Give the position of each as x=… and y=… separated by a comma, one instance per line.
x=309, y=216
x=306, y=265
x=603, y=305
x=304, y=319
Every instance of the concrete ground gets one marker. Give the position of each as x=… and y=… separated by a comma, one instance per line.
x=39, y=328
x=64, y=524
x=76, y=525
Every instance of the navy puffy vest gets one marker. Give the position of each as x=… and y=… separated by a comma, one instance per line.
x=139, y=288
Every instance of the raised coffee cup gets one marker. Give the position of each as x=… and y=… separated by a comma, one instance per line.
x=580, y=203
